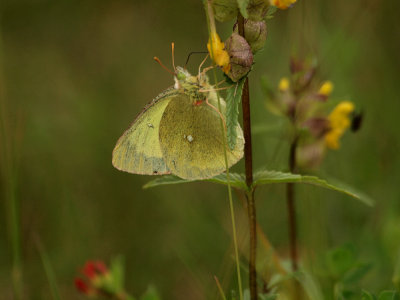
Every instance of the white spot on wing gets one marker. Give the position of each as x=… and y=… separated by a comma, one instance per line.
x=189, y=138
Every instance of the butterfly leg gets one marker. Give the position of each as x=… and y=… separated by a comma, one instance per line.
x=202, y=63
x=219, y=113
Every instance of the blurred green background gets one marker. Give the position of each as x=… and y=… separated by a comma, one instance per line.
x=74, y=74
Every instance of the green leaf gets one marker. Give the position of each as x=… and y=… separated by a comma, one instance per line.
x=268, y=177
x=151, y=294
x=234, y=96
x=225, y=10
x=236, y=180
x=340, y=260
x=367, y=296
x=389, y=295
x=117, y=273
x=355, y=274
x=243, y=7
x=270, y=13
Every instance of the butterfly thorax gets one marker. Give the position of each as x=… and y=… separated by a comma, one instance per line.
x=195, y=87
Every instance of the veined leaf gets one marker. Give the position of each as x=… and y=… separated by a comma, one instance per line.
x=243, y=7
x=236, y=180
x=234, y=96
x=267, y=177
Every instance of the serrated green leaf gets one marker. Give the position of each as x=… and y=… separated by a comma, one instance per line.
x=242, y=4
x=234, y=96
x=236, y=180
x=389, y=295
x=367, y=296
x=268, y=177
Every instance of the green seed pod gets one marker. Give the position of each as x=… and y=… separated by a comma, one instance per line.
x=255, y=33
x=240, y=56
x=257, y=9
x=225, y=10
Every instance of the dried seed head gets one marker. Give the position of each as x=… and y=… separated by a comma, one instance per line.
x=241, y=57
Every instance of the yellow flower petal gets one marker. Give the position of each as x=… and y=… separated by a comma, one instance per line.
x=339, y=121
x=283, y=4
x=326, y=88
x=284, y=84
x=217, y=51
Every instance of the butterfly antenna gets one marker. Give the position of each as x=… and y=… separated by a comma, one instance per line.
x=173, y=56
x=161, y=64
x=190, y=54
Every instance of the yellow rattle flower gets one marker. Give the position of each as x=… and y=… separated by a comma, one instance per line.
x=217, y=51
x=284, y=84
x=326, y=88
x=283, y=4
x=339, y=121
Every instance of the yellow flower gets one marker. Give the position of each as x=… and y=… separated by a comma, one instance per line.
x=284, y=84
x=282, y=4
x=326, y=88
x=339, y=121
x=217, y=51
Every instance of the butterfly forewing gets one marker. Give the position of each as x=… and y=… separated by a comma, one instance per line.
x=138, y=149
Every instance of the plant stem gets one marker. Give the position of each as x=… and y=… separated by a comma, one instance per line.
x=248, y=159
x=8, y=172
x=211, y=26
x=290, y=197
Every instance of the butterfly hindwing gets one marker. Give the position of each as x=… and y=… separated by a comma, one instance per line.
x=138, y=149
x=192, y=141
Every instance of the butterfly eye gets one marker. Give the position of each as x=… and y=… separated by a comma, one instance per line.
x=181, y=76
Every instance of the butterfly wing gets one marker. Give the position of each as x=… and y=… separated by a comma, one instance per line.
x=192, y=141
x=138, y=149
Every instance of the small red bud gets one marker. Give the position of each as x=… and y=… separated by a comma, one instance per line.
x=81, y=286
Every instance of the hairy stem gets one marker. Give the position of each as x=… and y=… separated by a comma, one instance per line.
x=248, y=157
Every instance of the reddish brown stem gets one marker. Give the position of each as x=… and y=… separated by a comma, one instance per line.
x=248, y=160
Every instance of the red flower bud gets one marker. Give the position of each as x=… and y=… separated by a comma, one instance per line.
x=82, y=286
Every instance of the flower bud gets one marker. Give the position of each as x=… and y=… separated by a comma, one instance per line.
x=255, y=33
x=241, y=57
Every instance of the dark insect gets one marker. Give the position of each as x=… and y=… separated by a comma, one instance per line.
x=356, y=121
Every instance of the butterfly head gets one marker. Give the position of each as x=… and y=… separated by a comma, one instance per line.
x=183, y=79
